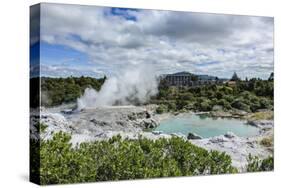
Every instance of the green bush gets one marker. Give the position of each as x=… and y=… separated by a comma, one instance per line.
x=267, y=142
x=265, y=103
x=181, y=104
x=204, y=104
x=120, y=159
x=229, y=98
x=186, y=96
x=60, y=163
x=224, y=103
x=55, y=91
x=171, y=106
x=249, y=96
x=240, y=104
x=257, y=165
x=161, y=109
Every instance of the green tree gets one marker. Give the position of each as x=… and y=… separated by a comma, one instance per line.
x=235, y=77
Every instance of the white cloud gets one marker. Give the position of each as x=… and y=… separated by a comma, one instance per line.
x=171, y=41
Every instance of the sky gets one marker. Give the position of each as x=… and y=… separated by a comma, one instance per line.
x=96, y=41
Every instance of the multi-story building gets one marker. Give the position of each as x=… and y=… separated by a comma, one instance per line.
x=189, y=80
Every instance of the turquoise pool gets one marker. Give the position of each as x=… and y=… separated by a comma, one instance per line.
x=206, y=126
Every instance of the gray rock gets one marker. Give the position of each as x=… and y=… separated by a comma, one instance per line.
x=193, y=136
x=178, y=135
x=218, y=139
x=67, y=111
x=157, y=132
x=238, y=148
x=230, y=135
x=262, y=123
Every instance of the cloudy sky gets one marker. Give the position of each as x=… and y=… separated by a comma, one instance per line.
x=96, y=41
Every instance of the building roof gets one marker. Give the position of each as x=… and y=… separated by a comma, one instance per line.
x=184, y=73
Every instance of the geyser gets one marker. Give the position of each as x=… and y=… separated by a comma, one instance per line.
x=131, y=86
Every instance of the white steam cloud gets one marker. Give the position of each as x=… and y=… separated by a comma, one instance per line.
x=131, y=86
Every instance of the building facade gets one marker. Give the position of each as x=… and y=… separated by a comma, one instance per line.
x=187, y=79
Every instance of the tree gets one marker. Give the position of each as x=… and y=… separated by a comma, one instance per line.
x=234, y=77
x=271, y=77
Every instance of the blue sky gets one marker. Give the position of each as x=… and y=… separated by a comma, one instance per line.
x=96, y=41
x=123, y=12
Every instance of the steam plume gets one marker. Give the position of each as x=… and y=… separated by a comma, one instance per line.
x=131, y=86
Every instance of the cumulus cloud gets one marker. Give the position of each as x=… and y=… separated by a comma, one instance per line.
x=170, y=41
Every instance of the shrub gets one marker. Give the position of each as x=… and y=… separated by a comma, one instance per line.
x=161, y=109
x=239, y=104
x=268, y=115
x=61, y=163
x=224, y=103
x=226, y=90
x=171, y=106
x=267, y=142
x=186, y=96
x=246, y=95
x=119, y=159
x=229, y=98
x=204, y=104
x=264, y=103
x=257, y=165
x=181, y=104
x=40, y=127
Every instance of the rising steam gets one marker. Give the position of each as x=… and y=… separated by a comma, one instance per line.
x=134, y=85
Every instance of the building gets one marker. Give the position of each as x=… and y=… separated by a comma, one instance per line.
x=187, y=79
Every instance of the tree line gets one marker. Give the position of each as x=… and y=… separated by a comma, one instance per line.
x=247, y=95
x=56, y=91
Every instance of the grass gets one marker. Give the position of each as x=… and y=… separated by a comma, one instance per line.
x=267, y=142
x=268, y=115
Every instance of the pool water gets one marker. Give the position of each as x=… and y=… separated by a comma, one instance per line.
x=206, y=126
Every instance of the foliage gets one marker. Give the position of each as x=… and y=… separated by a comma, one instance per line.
x=251, y=96
x=40, y=127
x=235, y=77
x=267, y=115
x=267, y=142
x=161, y=109
x=256, y=165
x=271, y=77
x=241, y=105
x=55, y=91
x=120, y=159
x=224, y=103
x=204, y=104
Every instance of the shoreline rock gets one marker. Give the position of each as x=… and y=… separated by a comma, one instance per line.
x=237, y=148
x=193, y=136
x=261, y=123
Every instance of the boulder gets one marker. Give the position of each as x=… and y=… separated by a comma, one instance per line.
x=230, y=135
x=148, y=123
x=157, y=132
x=261, y=123
x=178, y=135
x=193, y=136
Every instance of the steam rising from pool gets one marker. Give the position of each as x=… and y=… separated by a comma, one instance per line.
x=133, y=85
